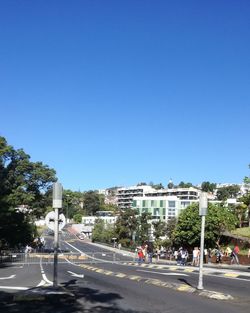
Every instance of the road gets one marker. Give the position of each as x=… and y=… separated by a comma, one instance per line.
x=108, y=284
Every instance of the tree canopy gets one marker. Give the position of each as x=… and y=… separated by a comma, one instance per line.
x=188, y=228
x=206, y=186
x=185, y=185
x=24, y=186
x=228, y=192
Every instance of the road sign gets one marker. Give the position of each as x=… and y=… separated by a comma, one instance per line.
x=50, y=221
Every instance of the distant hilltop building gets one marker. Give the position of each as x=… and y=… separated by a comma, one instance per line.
x=125, y=195
x=110, y=195
x=244, y=188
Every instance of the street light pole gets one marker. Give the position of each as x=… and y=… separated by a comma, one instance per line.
x=202, y=213
x=67, y=211
x=57, y=204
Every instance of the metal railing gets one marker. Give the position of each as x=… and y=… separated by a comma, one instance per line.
x=76, y=258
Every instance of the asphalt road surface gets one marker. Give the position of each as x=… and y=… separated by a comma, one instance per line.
x=102, y=282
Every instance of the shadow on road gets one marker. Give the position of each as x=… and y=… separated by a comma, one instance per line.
x=75, y=300
x=182, y=280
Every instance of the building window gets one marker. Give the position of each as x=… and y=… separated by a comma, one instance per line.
x=171, y=204
x=185, y=204
x=156, y=212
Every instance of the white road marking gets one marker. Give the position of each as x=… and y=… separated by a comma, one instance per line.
x=42, y=283
x=91, y=257
x=43, y=274
x=14, y=288
x=76, y=275
x=166, y=274
x=10, y=277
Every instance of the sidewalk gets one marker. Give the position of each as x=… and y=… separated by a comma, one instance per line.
x=223, y=266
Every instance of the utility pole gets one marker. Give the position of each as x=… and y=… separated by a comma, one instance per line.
x=57, y=204
x=202, y=213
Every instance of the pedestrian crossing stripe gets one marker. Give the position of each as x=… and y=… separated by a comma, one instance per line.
x=108, y=273
x=183, y=288
x=189, y=270
x=231, y=275
x=121, y=275
x=134, y=277
x=99, y=270
x=155, y=282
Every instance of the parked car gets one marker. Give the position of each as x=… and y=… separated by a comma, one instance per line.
x=80, y=236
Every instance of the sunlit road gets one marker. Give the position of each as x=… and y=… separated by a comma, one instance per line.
x=109, y=280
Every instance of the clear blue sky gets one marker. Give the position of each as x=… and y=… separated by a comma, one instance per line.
x=112, y=93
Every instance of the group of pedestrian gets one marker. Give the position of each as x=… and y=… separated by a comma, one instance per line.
x=181, y=256
x=146, y=252
x=233, y=254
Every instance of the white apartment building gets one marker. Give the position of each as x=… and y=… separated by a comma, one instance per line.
x=190, y=193
x=125, y=195
x=88, y=222
x=161, y=207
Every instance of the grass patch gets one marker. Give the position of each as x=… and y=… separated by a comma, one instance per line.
x=243, y=232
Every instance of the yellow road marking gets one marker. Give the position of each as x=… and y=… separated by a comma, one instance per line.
x=231, y=275
x=120, y=275
x=183, y=288
x=134, y=277
x=108, y=273
x=99, y=270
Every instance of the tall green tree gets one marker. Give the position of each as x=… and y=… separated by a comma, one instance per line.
x=185, y=185
x=228, y=192
x=240, y=211
x=245, y=199
x=126, y=225
x=188, y=228
x=23, y=188
x=103, y=232
x=144, y=226
x=206, y=186
x=171, y=224
x=72, y=203
x=91, y=202
x=160, y=229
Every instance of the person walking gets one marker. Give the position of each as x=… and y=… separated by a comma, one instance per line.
x=195, y=261
x=140, y=256
x=218, y=255
x=150, y=252
x=158, y=252
x=234, y=255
